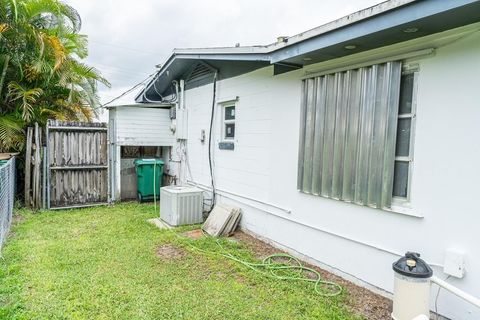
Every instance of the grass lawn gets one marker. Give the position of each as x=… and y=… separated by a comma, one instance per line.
x=105, y=263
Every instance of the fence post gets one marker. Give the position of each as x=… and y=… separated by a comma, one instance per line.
x=44, y=178
x=28, y=167
x=36, y=168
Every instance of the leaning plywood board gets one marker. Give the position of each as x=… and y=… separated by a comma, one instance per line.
x=222, y=221
x=232, y=222
x=217, y=220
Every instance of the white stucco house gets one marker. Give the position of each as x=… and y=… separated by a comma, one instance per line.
x=347, y=145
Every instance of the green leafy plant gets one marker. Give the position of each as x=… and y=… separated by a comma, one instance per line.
x=42, y=75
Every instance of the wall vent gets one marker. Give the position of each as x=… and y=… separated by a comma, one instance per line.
x=199, y=71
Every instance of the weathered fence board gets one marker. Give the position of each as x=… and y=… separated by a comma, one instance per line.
x=77, y=169
x=33, y=163
x=28, y=166
x=37, y=161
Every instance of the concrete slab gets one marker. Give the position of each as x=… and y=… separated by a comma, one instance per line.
x=159, y=223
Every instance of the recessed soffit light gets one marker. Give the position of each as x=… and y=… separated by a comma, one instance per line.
x=410, y=30
x=350, y=47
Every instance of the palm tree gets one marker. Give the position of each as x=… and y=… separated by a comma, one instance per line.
x=41, y=73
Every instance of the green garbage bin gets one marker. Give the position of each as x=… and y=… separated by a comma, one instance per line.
x=149, y=178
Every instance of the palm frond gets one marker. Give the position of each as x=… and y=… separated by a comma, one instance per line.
x=14, y=9
x=27, y=98
x=86, y=72
x=11, y=133
x=76, y=44
x=3, y=27
x=53, y=113
x=58, y=50
x=46, y=77
x=52, y=13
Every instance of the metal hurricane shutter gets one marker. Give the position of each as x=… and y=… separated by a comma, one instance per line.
x=347, y=134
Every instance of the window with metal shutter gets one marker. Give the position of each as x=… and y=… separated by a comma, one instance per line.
x=348, y=134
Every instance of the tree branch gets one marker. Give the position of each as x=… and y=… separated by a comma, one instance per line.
x=4, y=73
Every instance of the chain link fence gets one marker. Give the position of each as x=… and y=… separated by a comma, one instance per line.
x=7, y=195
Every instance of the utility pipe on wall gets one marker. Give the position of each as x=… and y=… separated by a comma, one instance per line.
x=182, y=125
x=459, y=293
x=182, y=94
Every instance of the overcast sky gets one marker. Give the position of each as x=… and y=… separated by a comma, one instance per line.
x=128, y=38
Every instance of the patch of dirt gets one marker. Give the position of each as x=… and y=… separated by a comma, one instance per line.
x=361, y=301
x=260, y=248
x=170, y=252
x=193, y=234
x=17, y=218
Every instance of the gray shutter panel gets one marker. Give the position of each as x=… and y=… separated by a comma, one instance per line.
x=348, y=133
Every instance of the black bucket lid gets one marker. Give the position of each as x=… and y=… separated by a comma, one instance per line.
x=412, y=266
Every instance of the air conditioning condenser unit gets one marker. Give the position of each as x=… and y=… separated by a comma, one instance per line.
x=181, y=205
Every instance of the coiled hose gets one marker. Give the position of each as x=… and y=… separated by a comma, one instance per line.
x=280, y=266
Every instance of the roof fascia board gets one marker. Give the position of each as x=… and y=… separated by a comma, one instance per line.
x=352, y=18
x=226, y=57
x=142, y=105
x=224, y=50
x=390, y=19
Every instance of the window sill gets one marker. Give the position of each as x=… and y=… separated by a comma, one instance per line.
x=401, y=209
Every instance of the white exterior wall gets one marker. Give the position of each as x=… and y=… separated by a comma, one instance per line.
x=143, y=127
x=353, y=240
x=135, y=126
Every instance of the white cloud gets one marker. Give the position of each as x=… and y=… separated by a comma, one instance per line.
x=127, y=39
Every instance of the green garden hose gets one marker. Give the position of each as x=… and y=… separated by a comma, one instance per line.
x=292, y=270
x=283, y=271
x=154, y=195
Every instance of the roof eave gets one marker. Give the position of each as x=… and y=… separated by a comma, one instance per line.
x=378, y=26
x=141, y=105
x=402, y=15
x=205, y=56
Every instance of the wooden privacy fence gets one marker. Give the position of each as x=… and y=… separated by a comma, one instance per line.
x=34, y=195
x=76, y=167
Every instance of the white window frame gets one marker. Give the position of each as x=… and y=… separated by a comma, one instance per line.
x=401, y=201
x=225, y=122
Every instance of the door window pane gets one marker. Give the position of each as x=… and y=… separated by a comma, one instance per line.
x=230, y=130
x=400, y=181
x=406, y=94
x=403, y=137
x=230, y=113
